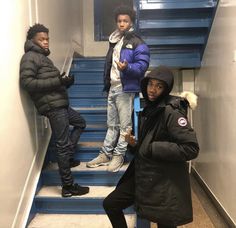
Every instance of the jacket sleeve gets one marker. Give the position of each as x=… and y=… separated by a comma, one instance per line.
x=29, y=80
x=183, y=145
x=140, y=63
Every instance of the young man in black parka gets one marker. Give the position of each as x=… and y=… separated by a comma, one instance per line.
x=48, y=90
x=157, y=179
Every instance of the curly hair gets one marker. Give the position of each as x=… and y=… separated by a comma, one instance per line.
x=36, y=28
x=125, y=10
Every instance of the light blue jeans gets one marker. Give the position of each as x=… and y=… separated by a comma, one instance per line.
x=119, y=120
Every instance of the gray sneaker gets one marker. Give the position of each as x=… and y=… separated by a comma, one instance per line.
x=100, y=160
x=116, y=163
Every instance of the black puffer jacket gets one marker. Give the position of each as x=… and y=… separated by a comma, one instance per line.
x=161, y=174
x=39, y=77
x=165, y=142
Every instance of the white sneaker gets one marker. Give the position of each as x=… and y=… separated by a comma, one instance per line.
x=116, y=163
x=100, y=160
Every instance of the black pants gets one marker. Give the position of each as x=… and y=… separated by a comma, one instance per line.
x=121, y=198
x=66, y=141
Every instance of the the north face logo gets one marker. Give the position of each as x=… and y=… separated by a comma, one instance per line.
x=129, y=46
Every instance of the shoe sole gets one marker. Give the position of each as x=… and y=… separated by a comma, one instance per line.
x=115, y=170
x=97, y=165
x=67, y=195
x=70, y=194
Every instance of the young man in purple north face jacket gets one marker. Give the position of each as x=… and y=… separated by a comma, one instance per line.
x=126, y=63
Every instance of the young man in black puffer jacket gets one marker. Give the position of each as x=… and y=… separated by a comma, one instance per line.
x=157, y=180
x=48, y=90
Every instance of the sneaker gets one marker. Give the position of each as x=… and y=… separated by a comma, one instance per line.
x=100, y=160
x=116, y=163
x=74, y=163
x=74, y=190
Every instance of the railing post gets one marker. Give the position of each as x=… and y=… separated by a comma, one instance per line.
x=136, y=111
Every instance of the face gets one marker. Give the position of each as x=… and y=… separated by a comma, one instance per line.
x=154, y=89
x=124, y=23
x=42, y=40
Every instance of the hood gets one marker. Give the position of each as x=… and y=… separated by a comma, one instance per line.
x=191, y=98
x=31, y=46
x=117, y=35
x=160, y=73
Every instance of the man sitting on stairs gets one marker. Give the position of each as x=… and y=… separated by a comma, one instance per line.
x=126, y=63
x=48, y=90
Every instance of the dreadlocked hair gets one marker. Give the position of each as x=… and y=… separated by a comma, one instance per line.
x=36, y=28
x=125, y=10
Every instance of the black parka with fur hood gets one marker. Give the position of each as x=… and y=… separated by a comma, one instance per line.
x=166, y=141
x=40, y=78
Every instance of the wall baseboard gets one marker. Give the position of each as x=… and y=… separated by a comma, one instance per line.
x=221, y=210
x=31, y=182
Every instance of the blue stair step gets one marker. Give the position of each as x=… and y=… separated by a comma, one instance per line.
x=97, y=115
x=94, y=115
x=99, y=119
x=93, y=137
x=78, y=221
x=174, y=23
x=191, y=60
x=84, y=155
x=80, y=91
x=174, y=40
x=173, y=32
x=176, y=4
x=87, y=77
x=88, y=102
x=85, y=151
x=88, y=63
x=49, y=200
x=84, y=88
x=87, y=154
x=82, y=175
x=166, y=13
x=71, y=206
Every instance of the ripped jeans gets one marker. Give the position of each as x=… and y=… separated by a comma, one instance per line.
x=119, y=120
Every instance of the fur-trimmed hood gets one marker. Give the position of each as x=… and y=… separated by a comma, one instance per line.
x=190, y=97
x=185, y=99
x=181, y=101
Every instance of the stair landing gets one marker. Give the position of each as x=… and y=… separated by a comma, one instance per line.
x=75, y=221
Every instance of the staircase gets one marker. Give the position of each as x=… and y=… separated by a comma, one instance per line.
x=49, y=208
x=175, y=30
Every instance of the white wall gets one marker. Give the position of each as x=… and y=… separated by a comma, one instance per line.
x=91, y=47
x=23, y=136
x=215, y=120
x=17, y=132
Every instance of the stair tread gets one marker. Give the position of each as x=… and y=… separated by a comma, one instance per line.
x=100, y=108
x=95, y=126
x=82, y=168
x=90, y=144
x=76, y=220
x=95, y=192
x=173, y=5
x=90, y=59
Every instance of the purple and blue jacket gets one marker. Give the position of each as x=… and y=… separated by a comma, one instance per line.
x=136, y=53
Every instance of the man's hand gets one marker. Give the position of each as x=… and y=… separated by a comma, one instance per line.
x=121, y=65
x=67, y=81
x=129, y=138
